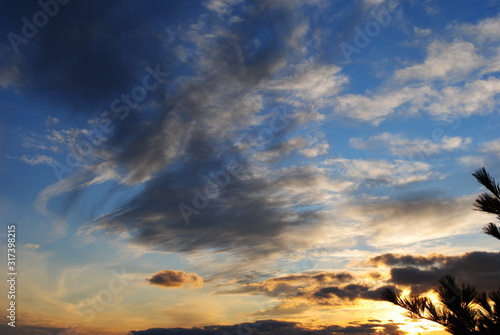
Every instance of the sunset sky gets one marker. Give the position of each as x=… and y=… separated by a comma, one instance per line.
x=212, y=164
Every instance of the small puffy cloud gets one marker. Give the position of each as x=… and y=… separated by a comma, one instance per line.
x=221, y=6
x=317, y=149
x=445, y=61
x=421, y=32
x=51, y=121
x=173, y=278
x=32, y=246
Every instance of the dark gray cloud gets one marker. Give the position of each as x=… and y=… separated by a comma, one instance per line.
x=397, y=259
x=305, y=291
x=203, y=187
x=274, y=327
x=421, y=273
x=293, y=285
x=322, y=277
x=173, y=278
x=193, y=144
x=349, y=292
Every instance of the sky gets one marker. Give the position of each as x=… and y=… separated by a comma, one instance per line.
x=243, y=167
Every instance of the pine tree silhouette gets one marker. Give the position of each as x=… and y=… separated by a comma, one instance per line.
x=488, y=202
x=462, y=310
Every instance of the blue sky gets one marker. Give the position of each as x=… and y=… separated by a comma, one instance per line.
x=224, y=157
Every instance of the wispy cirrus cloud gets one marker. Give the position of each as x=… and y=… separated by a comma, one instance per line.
x=399, y=145
x=36, y=160
x=390, y=172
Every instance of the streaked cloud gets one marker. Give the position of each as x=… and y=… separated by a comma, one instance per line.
x=399, y=145
x=36, y=160
x=395, y=172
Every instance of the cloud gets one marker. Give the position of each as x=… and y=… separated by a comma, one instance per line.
x=398, y=259
x=443, y=102
x=222, y=7
x=472, y=161
x=306, y=291
x=32, y=246
x=239, y=210
x=292, y=285
x=396, y=172
x=398, y=145
x=208, y=163
x=312, y=83
x=9, y=70
x=486, y=155
x=445, y=61
x=375, y=108
x=173, y=278
x=491, y=147
x=475, y=97
x=51, y=121
x=421, y=273
x=350, y=292
x=36, y=160
x=274, y=327
x=457, y=78
x=484, y=30
x=421, y=31
x=390, y=221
